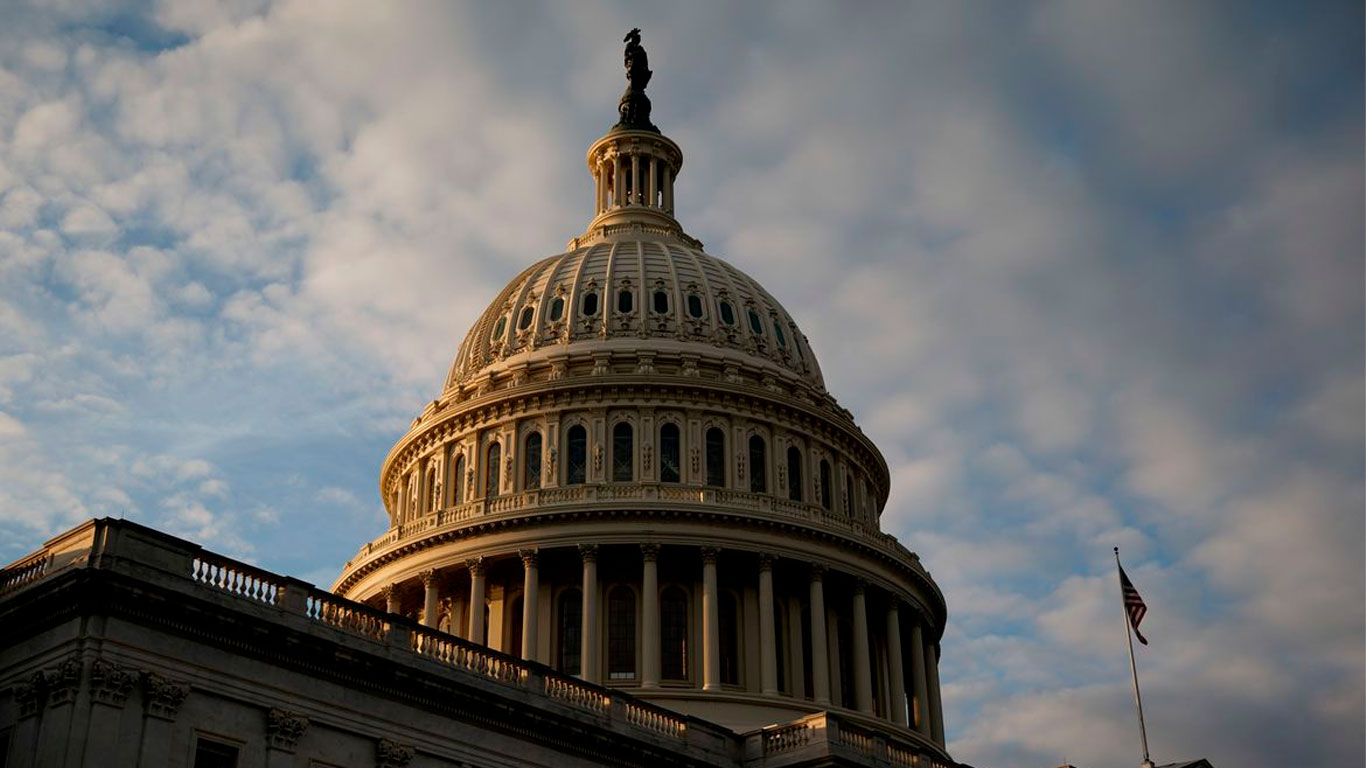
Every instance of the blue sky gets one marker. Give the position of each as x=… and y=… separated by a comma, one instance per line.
x=1090, y=274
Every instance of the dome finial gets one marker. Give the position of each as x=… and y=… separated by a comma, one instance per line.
x=635, y=105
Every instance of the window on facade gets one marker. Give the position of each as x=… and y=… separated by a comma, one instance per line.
x=694, y=305
x=716, y=457
x=621, y=633
x=669, y=452
x=728, y=610
x=576, y=456
x=625, y=302
x=495, y=459
x=826, y=491
x=661, y=302
x=727, y=313
x=756, y=323
x=623, y=441
x=569, y=631
x=458, y=480
x=498, y=329
x=794, y=473
x=531, y=460
x=673, y=634
x=214, y=754
x=556, y=308
x=758, y=465
x=590, y=304
x=524, y=322
x=513, y=646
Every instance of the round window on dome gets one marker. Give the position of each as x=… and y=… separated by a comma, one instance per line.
x=590, y=304
x=498, y=329
x=556, y=309
x=727, y=313
x=661, y=302
x=625, y=302
x=756, y=324
x=694, y=305
x=524, y=322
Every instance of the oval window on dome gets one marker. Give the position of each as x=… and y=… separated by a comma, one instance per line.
x=556, y=309
x=756, y=324
x=694, y=305
x=524, y=322
x=590, y=304
x=778, y=333
x=625, y=301
x=498, y=329
x=661, y=302
x=727, y=313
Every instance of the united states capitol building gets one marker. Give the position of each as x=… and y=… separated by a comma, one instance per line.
x=632, y=528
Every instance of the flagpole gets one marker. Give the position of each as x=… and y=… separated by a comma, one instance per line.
x=1133, y=666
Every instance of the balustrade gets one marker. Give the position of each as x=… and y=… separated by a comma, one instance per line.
x=786, y=737
x=236, y=578
x=579, y=694
x=656, y=720
x=339, y=613
x=24, y=573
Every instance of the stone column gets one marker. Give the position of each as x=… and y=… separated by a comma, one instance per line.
x=796, y=658
x=768, y=652
x=668, y=191
x=390, y=594
x=711, y=623
x=618, y=182
x=588, y=655
x=635, y=179
x=431, y=600
x=863, y=671
x=597, y=188
x=476, y=566
x=936, y=707
x=649, y=620
x=820, y=661
x=895, y=672
x=920, y=698
x=531, y=590
x=652, y=170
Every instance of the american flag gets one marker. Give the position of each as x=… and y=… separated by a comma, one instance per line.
x=1133, y=604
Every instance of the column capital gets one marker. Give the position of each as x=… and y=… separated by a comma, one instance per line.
x=860, y=586
x=817, y=571
x=709, y=555
x=388, y=591
x=476, y=566
x=649, y=552
x=766, y=561
x=588, y=552
x=428, y=577
x=530, y=557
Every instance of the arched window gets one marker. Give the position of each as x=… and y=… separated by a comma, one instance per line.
x=716, y=457
x=778, y=333
x=531, y=461
x=661, y=302
x=556, y=308
x=621, y=633
x=625, y=302
x=590, y=304
x=727, y=313
x=495, y=459
x=826, y=492
x=569, y=631
x=669, y=451
x=623, y=442
x=498, y=329
x=576, y=456
x=524, y=322
x=728, y=611
x=513, y=645
x=756, y=324
x=794, y=473
x=758, y=465
x=457, y=480
x=673, y=634
x=431, y=500
x=694, y=305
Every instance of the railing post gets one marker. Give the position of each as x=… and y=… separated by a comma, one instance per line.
x=399, y=636
x=293, y=596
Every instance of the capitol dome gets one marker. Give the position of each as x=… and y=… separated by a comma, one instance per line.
x=634, y=475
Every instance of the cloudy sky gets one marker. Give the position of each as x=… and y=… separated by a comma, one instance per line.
x=1090, y=274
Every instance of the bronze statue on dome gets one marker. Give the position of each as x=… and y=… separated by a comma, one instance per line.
x=635, y=105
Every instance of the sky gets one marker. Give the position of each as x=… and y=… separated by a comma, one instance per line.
x=1090, y=274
